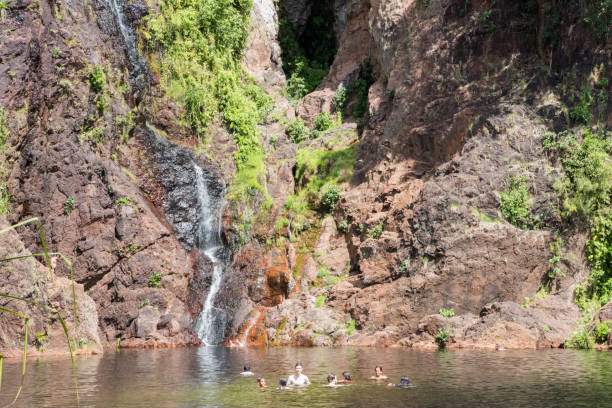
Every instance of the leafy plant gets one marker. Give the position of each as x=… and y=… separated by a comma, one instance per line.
x=68, y=205
x=581, y=112
x=329, y=197
x=156, y=279
x=404, y=266
x=123, y=201
x=322, y=122
x=443, y=336
x=339, y=99
x=556, y=249
x=601, y=332
x=376, y=231
x=297, y=131
x=97, y=79
x=343, y=226
x=447, y=312
x=514, y=202
x=94, y=134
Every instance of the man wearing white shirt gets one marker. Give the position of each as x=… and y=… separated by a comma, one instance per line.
x=298, y=379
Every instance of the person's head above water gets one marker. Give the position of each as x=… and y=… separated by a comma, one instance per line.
x=378, y=370
x=346, y=376
x=331, y=378
x=261, y=382
x=298, y=368
x=282, y=382
x=246, y=367
x=404, y=382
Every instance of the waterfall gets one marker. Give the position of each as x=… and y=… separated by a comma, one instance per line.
x=210, y=324
x=137, y=63
x=249, y=327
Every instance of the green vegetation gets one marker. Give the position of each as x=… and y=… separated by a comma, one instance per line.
x=598, y=16
x=307, y=56
x=343, y=226
x=339, y=99
x=320, y=301
x=322, y=122
x=586, y=190
x=97, y=79
x=329, y=197
x=514, y=203
x=556, y=249
x=123, y=201
x=361, y=87
x=202, y=43
x=320, y=170
x=297, y=131
x=126, y=124
x=581, y=112
x=376, y=231
x=68, y=205
x=155, y=280
x=351, y=327
x=601, y=332
x=443, y=336
x=447, y=312
x=50, y=310
x=404, y=266
x=94, y=134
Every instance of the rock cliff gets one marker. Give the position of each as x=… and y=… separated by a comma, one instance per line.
x=377, y=194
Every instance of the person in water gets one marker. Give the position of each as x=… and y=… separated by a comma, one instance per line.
x=332, y=381
x=404, y=383
x=378, y=374
x=282, y=384
x=261, y=382
x=246, y=371
x=298, y=378
x=346, y=377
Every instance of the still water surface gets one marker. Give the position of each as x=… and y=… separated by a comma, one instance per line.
x=209, y=377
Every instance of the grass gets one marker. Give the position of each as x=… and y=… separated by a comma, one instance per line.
x=320, y=301
x=68, y=205
x=46, y=256
x=447, y=312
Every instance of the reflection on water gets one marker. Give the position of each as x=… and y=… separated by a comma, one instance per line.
x=209, y=377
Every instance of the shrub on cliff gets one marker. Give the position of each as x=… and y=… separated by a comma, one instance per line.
x=97, y=79
x=514, y=202
x=329, y=197
x=297, y=131
x=322, y=122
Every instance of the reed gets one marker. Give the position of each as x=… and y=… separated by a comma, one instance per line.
x=44, y=255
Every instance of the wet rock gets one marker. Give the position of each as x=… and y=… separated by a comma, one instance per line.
x=136, y=10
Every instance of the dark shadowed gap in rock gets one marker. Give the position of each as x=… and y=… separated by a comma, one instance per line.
x=308, y=43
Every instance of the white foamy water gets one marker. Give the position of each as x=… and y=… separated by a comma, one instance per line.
x=210, y=324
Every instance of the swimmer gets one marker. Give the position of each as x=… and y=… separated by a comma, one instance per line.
x=298, y=379
x=261, y=382
x=378, y=374
x=332, y=381
x=246, y=371
x=346, y=377
x=404, y=383
x=282, y=384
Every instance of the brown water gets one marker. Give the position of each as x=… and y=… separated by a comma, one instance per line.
x=209, y=377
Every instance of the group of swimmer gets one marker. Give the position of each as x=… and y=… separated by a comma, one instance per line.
x=301, y=380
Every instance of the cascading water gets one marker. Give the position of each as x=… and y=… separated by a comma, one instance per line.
x=138, y=67
x=210, y=324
